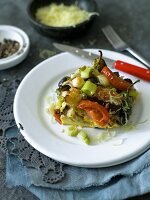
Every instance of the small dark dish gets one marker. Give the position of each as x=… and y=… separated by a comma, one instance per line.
x=62, y=32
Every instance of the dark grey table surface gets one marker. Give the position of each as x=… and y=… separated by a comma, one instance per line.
x=130, y=18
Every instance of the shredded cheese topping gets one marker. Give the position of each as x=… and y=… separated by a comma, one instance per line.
x=61, y=15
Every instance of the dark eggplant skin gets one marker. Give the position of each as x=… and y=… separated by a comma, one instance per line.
x=116, y=73
x=128, y=80
x=62, y=87
x=123, y=116
x=94, y=79
x=63, y=80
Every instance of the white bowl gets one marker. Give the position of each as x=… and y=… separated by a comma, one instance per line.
x=14, y=33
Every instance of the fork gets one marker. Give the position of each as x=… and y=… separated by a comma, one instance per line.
x=120, y=45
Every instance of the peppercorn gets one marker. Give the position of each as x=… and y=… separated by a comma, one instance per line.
x=8, y=47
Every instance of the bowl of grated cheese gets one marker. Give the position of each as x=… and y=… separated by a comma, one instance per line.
x=62, y=18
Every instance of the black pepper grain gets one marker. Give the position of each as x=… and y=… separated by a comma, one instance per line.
x=8, y=47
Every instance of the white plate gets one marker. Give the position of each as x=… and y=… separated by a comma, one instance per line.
x=47, y=137
x=14, y=33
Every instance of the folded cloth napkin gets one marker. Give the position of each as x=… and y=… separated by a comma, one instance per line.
x=117, y=182
x=116, y=190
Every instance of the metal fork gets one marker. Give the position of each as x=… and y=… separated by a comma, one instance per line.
x=120, y=45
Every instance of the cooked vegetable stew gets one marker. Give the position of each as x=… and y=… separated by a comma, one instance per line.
x=94, y=97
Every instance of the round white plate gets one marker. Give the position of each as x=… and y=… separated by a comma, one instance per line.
x=43, y=134
x=14, y=33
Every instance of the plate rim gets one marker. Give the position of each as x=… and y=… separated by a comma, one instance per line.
x=125, y=159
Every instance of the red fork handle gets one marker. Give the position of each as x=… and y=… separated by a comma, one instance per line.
x=133, y=70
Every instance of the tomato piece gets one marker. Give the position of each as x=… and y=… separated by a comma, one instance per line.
x=57, y=118
x=108, y=95
x=95, y=111
x=114, y=80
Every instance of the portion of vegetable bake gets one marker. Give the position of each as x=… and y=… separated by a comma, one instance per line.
x=94, y=97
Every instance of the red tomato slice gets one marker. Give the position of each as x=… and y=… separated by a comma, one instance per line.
x=117, y=82
x=57, y=118
x=95, y=111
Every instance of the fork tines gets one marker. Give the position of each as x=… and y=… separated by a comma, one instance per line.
x=113, y=38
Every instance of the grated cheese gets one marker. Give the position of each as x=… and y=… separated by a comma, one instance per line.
x=62, y=15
